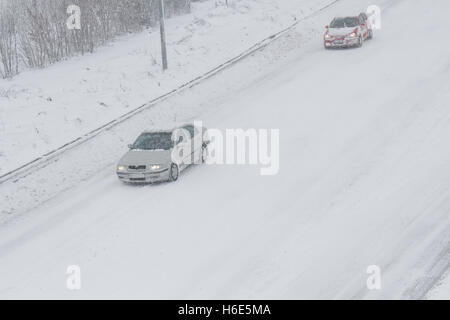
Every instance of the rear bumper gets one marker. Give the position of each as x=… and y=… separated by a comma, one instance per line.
x=333, y=43
x=143, y=177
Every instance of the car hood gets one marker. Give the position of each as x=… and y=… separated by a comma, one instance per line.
x=145, y=157
x=340, y=31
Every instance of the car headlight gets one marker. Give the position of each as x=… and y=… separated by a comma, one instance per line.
x=155, y=167
x=352, y=35
x=327, y=36
x=121, y=168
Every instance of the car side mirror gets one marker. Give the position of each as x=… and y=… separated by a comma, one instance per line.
x=327, y=27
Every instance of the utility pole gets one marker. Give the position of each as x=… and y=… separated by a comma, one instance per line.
x=163, y=34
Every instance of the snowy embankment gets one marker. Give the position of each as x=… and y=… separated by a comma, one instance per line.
x=364, y=172
x=41, y=110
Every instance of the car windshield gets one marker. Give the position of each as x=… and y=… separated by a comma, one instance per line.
x=153, y=141
x=344, y=22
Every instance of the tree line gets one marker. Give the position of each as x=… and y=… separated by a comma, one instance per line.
x=34, y=33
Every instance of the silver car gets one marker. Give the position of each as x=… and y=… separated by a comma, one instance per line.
x=161, y=155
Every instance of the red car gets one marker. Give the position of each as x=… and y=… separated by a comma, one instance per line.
x=348, y=32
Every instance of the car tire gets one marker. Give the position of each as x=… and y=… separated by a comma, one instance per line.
x=360, y=42
x=174, y=172
x=370, y=34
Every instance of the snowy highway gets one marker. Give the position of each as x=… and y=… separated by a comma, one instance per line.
x=364, y=180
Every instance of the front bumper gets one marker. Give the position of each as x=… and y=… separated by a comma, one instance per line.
x=144, y=177
x=341, y=43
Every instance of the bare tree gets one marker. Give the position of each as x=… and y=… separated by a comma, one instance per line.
x=9, y=56
x=33, y=33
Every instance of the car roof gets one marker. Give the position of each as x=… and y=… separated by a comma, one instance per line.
x=157, y=131
x=346, y=17
x=168, y=130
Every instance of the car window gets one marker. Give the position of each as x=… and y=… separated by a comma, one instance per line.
x=153, y=141
x=348, y=22
x=362, y=19
x=190, y=129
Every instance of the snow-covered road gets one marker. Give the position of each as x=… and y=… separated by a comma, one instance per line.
x=364, y=180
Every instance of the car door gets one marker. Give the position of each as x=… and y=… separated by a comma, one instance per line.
x=181, y=152
x=363, y=25
x=191, y=155
x=197, y=145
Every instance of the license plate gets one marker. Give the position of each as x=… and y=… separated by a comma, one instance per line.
x=339, y=42
x=137, y=176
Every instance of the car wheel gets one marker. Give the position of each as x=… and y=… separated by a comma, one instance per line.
x=174, y=172
x=204, y=153
x=370, y=34
x=360, y=42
